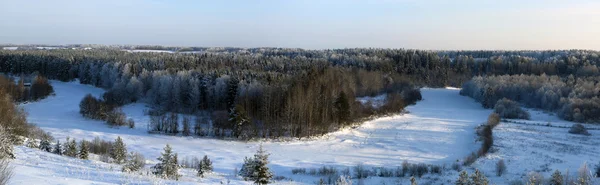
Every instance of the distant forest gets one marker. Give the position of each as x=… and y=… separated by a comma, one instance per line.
x=271, y=92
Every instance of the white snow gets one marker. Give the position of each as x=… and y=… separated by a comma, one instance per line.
x=437, y=130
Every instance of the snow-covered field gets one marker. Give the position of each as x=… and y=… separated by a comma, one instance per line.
x=437, y=130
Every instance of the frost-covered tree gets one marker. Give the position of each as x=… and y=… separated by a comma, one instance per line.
x=84, y=150
x=58, y=150
x=71, y=148
x=478, y=178
x=584, y=176
x=256, y=169
x=343, y=180
x=118, y=151
x=205, y=166
x=413, y=181
x=167, y=167
x=534, y=178
x=557, y=178
x=135, y=161
x=45, y=145
x=463, y=178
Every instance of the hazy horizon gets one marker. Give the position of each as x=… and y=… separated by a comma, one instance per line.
x=432, y=25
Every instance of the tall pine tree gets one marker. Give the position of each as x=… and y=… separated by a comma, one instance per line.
x=84, y=150
x=118, y=151
x=167, y=167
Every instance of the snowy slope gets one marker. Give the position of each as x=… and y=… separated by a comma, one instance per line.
x=443, y=119
x=437, y=130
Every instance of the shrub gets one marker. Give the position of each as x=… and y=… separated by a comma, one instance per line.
x=436, y=169
x=579, y=129
x=500, y=168
x=135, y=161
x=6, y=146
x=510, y=109
x=534, y=178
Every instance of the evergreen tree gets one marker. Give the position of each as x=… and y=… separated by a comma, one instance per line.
x=239, y=118
x=84, y=150
x=167, y=167
x=71, y=149
x=262, y=173
x=343, y=108
x=247, y=169
x=255, y=168
x=45, y=145
x=205, y=166
x=118, y=151
x=463, y=178
x=58, y=148
x=557, y=178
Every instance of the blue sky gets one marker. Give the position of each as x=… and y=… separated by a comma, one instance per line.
x=312, y=24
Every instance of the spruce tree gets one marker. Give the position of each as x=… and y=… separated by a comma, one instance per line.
x=247, y=169
x=557, y=178
x=118, y=151
x=45, y=145
x=71, y=149
x=84, y=150
x=205, y=166
x=262, y=173
x=167, y=167
x=57, y=148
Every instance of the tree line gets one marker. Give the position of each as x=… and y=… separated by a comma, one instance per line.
x=573, y=98
x=271, y=92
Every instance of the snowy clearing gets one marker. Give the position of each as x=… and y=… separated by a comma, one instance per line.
x=437, y=130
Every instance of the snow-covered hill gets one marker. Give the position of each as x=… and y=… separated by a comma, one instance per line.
x=437, y=130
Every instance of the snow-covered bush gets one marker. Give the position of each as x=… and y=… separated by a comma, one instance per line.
x=135, y=161
x=343, y=180
x=579, y=129
x=6, y=147
x=534, y=178
x=510, y=109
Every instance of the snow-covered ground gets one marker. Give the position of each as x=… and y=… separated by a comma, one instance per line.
x=437, y=130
